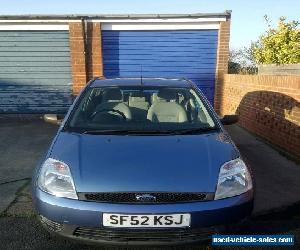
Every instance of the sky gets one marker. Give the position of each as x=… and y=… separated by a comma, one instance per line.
x=247, y=16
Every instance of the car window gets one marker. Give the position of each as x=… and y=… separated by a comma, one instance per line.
x=140, y=108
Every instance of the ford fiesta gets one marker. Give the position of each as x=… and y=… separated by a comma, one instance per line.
x=142, y=161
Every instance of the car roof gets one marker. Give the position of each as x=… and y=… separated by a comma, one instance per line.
x=141, y=82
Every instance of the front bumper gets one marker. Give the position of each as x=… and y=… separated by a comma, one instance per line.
x=82, y=220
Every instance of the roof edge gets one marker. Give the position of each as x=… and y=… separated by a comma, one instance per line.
x=226, y=14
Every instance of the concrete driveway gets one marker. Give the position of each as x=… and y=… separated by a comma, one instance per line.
x=23, y=143
x=277, y=178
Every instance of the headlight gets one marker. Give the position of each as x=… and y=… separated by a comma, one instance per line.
x=55, y=178
x=234, y=179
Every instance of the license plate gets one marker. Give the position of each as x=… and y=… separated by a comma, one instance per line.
x=146, y=220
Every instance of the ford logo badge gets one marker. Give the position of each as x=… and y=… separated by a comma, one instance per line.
x=145, y=198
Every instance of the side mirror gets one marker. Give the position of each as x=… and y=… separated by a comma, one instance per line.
x=53, y=118
x=229, y=119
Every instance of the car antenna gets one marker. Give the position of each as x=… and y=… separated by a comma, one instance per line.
x=141, y=74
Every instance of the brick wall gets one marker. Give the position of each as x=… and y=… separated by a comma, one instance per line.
x=94, y=51
x=268, y=106
x=78, y=60
x=86, y=53
x=222, y=60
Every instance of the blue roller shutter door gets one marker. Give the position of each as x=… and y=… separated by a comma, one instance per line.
x=186, y=53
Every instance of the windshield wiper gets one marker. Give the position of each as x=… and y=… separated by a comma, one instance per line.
x=193, y=130
x=143, y=132
x=127, y=132
x=105, y=131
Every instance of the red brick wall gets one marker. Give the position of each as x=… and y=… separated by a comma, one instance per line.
x=222, y=59
x=94, y=51
x=86, y=62
x=269, y=106
x=78, y=61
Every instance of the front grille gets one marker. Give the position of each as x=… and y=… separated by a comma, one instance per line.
x=132, y=197
x=51, y=225
x=158, y=235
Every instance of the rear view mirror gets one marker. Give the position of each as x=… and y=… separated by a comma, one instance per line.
x=229, y=119
x=53, y=118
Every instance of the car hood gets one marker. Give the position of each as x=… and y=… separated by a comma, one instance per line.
x=130, y=163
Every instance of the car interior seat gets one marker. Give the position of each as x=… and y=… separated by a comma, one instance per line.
x=138, y=106
x=153, y=98
x=166, y=108
x=112, y=98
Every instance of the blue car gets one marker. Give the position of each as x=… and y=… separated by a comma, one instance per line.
x=142, y=162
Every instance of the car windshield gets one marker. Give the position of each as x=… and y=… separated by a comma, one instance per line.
x=140, y=109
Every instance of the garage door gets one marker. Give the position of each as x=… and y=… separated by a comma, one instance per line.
x=35, y=75
x=186, y=53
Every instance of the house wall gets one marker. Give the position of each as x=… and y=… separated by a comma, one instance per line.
x=268, y=106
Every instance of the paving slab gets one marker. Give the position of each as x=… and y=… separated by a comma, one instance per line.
x=22, y=206
x=277, y=178
x=8, y=193
x=22, y=144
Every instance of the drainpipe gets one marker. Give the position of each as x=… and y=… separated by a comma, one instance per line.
x=85, y=45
